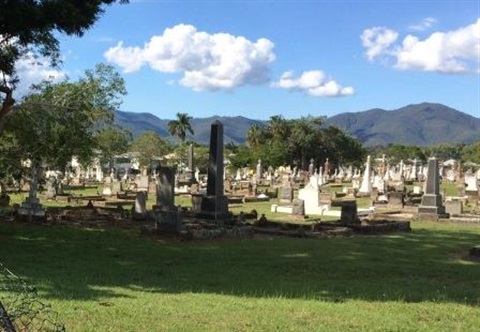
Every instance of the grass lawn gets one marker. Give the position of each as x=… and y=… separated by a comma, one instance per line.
x=116, y=280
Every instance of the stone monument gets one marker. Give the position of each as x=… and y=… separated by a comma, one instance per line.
x=431, y=199
x=214, y=205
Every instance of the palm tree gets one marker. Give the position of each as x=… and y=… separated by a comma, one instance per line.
x=180, y=126
x=255, y=135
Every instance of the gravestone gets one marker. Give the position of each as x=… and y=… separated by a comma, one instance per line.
x=258, y=171
x=116, y=187
x=298, y=207
x=311, y=167
x=140, y=207
x=142, y=183
x=396, y=199
x=431, y=199
x=165, y=189
x=215, y=204
x=286, y=194
x=454, y=207
x=366, y=186
x=51, y=191
x=168, y=217
x=349, y=213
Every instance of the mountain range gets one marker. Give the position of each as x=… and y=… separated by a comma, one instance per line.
x=422, y=124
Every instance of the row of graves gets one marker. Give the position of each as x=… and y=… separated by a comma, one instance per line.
x=316, y=193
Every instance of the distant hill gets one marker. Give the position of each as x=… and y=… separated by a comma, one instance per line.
x=234, y=128
x=421, y=124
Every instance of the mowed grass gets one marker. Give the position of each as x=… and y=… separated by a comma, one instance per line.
x=115, y=279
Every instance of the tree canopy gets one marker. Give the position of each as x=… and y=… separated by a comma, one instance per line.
x=29, y=26
x=149, y=145
x=295, y=142
x=180, y=126
x=61, y=120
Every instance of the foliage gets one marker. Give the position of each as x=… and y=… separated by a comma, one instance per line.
x=471, y=153
x=397, y=152
x=149, y=146
x=28, y=28
x=295, y=142
x=445, y=151
x=110, y=142
x=60, y=120
x=180, y=126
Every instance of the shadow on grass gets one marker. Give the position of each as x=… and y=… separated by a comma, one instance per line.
x=91, y=264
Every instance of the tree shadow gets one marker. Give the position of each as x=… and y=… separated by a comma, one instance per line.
x=92, y=264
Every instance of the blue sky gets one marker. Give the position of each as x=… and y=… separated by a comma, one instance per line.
x=294, y=58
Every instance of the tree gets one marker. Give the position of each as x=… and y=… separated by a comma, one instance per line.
x=59, y=121
x=471, y=153
x=28, y=27
x=180, y=126
x=255, y=135
x=111, y=142
x=148, y=146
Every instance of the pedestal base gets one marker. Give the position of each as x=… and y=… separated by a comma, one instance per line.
x=31, y=210
x=211, y=207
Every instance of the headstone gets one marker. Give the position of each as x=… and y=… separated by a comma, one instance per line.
x=349, y=213
x=140, y=208
x=311, y=167
x=142, y=183
x=396, y=199
x=51, y=191
x=298, y=207
x=215, y=204
x=165, y=188
x=116, y=187
x=366, y=186
x=258, y=173
x=286, y=194
x=454, y=207
x=431, y=199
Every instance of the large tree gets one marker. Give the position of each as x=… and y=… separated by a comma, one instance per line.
x=180, y=126
x=149, y=146
x=29, y=27
x=61, y=120
x=110, y=142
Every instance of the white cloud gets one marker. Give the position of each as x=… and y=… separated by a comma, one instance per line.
x=426, y=24
x=33, y=71
x=456, y=51
x=208, y=61
x=314, y=83
x=377, y=41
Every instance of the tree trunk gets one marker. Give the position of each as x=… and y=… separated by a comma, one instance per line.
x=5, y=320
x=7, y=106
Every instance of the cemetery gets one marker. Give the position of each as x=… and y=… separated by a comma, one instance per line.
x=192, y=210
x=114, y=219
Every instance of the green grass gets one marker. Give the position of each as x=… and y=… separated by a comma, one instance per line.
x=116, y=280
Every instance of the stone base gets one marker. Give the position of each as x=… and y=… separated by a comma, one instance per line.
x=432, y=216
x=211, y=207
x=31, y=210
x=168, y=221
x=439, y=210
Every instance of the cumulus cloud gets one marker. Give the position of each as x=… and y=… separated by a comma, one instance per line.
x=425, y=24
x=208, y=61
x=314, y=83
x=377, y=41
x=33, y=71
x=452, y=52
